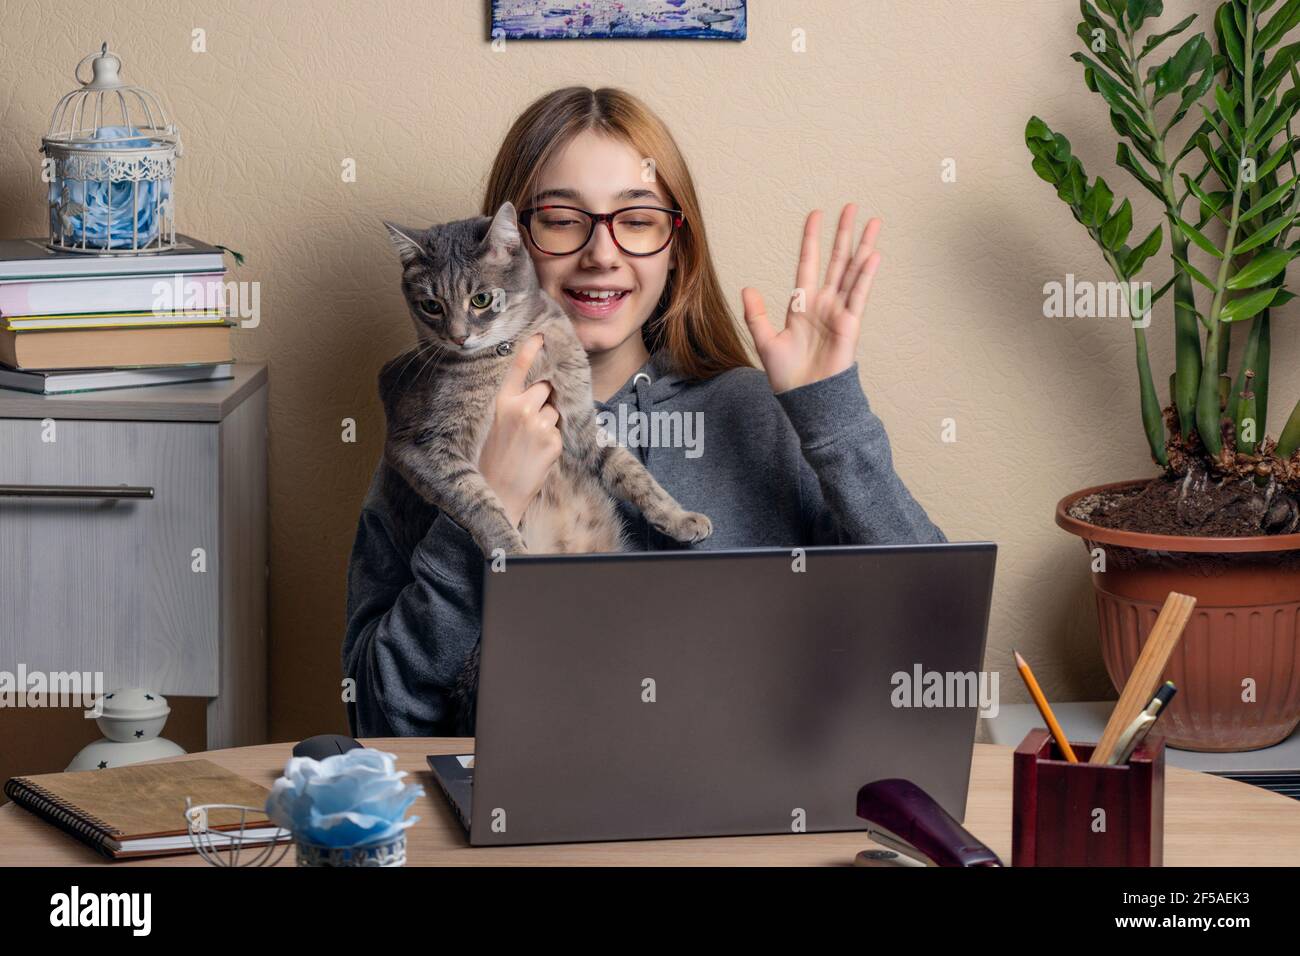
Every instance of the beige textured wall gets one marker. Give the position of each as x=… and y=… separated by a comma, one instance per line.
x=886, y=90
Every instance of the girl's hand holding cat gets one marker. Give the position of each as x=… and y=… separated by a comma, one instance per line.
x=524, y=440
x=820, y=337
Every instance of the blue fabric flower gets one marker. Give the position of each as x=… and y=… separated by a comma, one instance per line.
x=351, y=799
x=96, y=205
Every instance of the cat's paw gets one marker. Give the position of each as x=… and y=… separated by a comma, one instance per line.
x=687, y=527
x=507, y=546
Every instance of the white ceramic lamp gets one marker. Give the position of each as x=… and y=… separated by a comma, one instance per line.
x=131, y=721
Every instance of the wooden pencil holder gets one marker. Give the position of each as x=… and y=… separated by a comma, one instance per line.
x=1081, y=814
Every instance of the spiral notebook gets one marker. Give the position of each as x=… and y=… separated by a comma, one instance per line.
x=139, y=810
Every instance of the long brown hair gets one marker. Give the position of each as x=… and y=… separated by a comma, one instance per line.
x=693, y=324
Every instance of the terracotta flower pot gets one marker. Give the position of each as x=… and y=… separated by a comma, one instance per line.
x=1244, y=635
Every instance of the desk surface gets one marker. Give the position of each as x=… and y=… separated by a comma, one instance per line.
x=1209, y=821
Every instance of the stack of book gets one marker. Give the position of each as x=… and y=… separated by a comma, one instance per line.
x=74, y=322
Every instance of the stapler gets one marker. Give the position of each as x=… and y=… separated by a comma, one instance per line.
x=908, y=820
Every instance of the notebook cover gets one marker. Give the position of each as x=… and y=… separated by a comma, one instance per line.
x=136, y=801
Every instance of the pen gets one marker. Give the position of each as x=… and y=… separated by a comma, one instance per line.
x=1141, y=726
x=1043, y=708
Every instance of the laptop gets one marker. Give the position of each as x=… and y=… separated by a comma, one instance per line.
x=715, y=693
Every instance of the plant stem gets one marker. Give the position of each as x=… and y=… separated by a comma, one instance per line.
x=1247, y=380
x=1187, y=333
x=1208, y=413
x=1290, y=440
x=1152, y=420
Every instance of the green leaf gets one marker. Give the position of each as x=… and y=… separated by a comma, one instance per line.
x=1073, y=184
x=1140, y=10
x=1145, y=250
x=1274, y=73
x=1285, y=18
x=1264, y=235
x=1036, y=131
x=1164, y=288
x=1231, y=39
x=1093, y=19
x=1046, y=170
x=1145, y=145
x=1213, y=202
x=1246, y=306
x=1111, y=53
x=237, y=256
x=1269, y=199
x=1115, y=8
x=1102, y=77
x=1159, y=38
x=1203, y=130
x=1263, y=116
x=1286, y=110
x=1096, y=204
x=1283, y=153
x=1227, y=102
x=1195, y=273
x=1265, y=266
x=1229, y=141
x=1115, y=97
x=1191, y=95
x=1212, y=156
x=1116, y=229
x=1193, y=55
x=1125, y=159
x=1198, y=237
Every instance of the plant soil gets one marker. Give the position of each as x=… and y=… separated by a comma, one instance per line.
x=1195, y=504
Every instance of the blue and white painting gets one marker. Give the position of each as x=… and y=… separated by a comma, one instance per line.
x=607, y=19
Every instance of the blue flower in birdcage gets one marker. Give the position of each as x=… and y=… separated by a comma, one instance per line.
x=102, y=211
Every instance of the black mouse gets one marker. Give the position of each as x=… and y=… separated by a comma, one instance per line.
x=324, y=745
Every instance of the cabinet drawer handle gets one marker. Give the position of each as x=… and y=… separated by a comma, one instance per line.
x=74, y=491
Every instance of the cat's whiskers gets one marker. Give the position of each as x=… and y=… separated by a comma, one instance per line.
x=417, y=352
x=438, y=354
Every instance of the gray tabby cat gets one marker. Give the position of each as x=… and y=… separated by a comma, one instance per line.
x=474, y=297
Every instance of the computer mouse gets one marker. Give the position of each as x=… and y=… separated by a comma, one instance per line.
x=324, y=745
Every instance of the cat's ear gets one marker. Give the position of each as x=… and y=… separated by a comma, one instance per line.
x=408, y=247
x=502, y=239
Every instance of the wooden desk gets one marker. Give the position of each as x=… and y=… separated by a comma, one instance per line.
x=1209, y=821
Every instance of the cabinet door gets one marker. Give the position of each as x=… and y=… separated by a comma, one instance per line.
x=127, y=586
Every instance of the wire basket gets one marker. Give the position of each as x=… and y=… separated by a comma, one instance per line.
x=233, y=847
x=113, y=155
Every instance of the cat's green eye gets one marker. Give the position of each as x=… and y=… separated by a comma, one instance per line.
x=481, y=300
x=430, y=306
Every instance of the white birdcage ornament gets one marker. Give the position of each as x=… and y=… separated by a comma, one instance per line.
x=113, y=154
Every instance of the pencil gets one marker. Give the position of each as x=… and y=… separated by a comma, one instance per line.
x=1044, y=708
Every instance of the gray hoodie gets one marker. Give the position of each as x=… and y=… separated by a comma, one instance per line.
x=810, y=466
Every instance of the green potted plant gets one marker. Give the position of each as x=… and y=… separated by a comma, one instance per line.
x=1207, y=129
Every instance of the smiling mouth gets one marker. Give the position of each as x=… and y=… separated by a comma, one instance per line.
x=596, y=303
x=596, y=296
